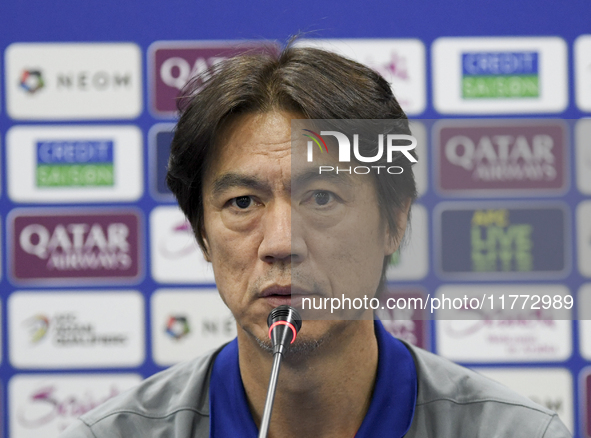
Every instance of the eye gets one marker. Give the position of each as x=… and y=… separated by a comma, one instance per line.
x=322, y=198
x=242, y=202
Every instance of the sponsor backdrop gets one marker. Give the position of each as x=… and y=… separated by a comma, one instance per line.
x=101, y=281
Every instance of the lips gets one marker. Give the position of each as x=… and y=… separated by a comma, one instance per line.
x=278, y=295
x=276, y=290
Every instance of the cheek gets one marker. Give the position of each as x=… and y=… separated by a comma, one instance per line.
x=232, y=255
x=232, y=252
x=351, y=255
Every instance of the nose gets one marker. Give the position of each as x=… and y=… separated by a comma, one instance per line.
x=279, y=244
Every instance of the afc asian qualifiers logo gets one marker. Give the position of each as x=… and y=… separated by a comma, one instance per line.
x=38, y=326
x=65, y=330
x=76, y=329
x=344, y=148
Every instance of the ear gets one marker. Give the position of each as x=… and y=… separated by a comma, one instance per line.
x=203, y=243
x=205, y=249
x=392, y=241
x=206, y=256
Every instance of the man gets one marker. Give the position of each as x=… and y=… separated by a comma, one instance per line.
x=273, y=227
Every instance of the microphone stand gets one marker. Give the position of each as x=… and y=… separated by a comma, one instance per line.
x=284, y=324
x=270, y=395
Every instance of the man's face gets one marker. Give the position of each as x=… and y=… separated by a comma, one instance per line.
x=273, y=228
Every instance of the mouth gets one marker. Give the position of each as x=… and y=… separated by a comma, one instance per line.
x=277, y=295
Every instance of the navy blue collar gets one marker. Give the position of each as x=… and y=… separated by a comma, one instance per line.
x=390, y=412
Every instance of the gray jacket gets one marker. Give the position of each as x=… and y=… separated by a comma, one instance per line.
x=452, y=402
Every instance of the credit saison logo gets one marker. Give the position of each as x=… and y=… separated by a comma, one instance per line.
x=32, y=81
x=344, y=148
x=487, y=75
x=75, y=163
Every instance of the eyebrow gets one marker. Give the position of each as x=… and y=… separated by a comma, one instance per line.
x=232, y=180
x=313, y=175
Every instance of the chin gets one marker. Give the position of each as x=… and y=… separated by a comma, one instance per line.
x=307, y=343
x=302, y=348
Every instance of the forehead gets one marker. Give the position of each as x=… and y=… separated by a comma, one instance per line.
x=253, y=139
x=261, y=145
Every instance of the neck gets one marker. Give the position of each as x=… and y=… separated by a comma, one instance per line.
x=322, y=393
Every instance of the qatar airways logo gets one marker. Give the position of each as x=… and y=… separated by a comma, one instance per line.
x=502, y=155
x=388, y=144
x=172, y=64
x=89, y=245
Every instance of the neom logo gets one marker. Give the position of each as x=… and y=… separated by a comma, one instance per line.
x=33, y=80
x=177, y=326
x=93, y=80
x=82, y=246
x=344, y=148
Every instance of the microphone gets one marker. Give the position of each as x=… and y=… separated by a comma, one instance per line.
x=284, y=324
